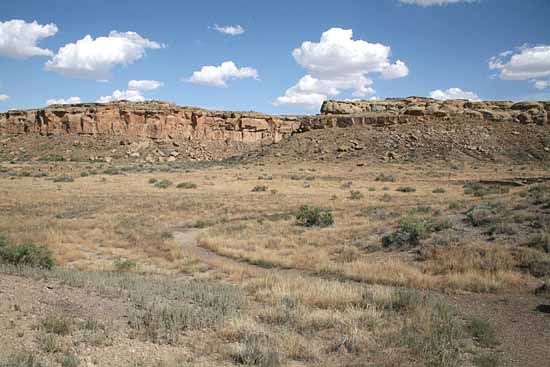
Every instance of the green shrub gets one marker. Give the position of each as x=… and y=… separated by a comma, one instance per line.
x=439, y=190
x=486, y=360
x=386, y=197
x=28, y=254
x=409, y=233
x=64, y=178
x=186, y=185
x=383, y=178
x=259, y=188
x=22, y=359
x=53, y=158
x=480, y=215
x=540, y=241
x=163, y=184
x=152, y=180
x=56, y=325
x=123, y=265
x=355, y=195
x=309, y=216
x=480, y=190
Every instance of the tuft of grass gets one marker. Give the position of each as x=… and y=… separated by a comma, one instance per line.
x=186, y=185
x=483, y=332
x=22, y=359
x=439, y=190
x=48, y=343
x=540, y=241
x=312, y=216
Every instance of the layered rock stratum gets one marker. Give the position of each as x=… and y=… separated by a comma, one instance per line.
x=162, y=120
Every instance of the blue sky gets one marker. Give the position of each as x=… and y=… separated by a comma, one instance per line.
x=438, y=47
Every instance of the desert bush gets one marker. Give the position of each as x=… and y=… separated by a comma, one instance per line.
x=539, y=194
x=480, y=190
x=355, y=195
x=434, y=333
x=22, y=359
x=259, y=188
x=257, y=349
x=310, y=216
x=69, y=360
x=480, y=215
x=49, y=343
x=409, y=233
x=56, y=324
x=439, y=190
x=152, y=180
x=540, y=241
x=383, y=178
x=53, y=158
x=28, y=254
x=123, y=265
x=483, y=332
x=187, y=185
x=406, y=189
x=386, y=197
x=486, y=360
x=64, y=178
x=163, y=184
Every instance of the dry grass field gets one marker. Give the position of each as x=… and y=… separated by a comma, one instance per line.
x=276, y=263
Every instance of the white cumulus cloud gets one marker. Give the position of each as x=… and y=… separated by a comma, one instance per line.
x=134, y=91
x=232, y=30
x=219, y=75
x=454, y=93
x=70, y=100
x=144, y=84
x=434, y=2
x=4, y=97
x=542, y=84
x=95, y=58
x=337, y=63
x=524, y=63
x=18, y=38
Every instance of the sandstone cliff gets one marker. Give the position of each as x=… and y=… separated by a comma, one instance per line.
x=152, y=119
x=161, y=120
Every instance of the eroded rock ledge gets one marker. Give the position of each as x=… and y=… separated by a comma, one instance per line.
x=161, y=120
x=151, y=119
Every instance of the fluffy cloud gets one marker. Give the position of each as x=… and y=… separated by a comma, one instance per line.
x=95, y=58
x=232, y=30
x=542, y=84
x=18, y=38
x=434, y=2
x=70, y=100
x=454, y=93
x=523, y=64
x=4, y=97
x=133, y=93
x=339, y=63
x=144, y=84
x=219, y=75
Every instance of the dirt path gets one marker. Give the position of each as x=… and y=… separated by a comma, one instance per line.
x=523, y=333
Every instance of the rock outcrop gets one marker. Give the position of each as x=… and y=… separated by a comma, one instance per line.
x=161, y=120
x=391, y=111
x=152, y=119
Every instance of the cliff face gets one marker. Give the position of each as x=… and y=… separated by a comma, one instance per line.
x=160, y=120
x=152, y=119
